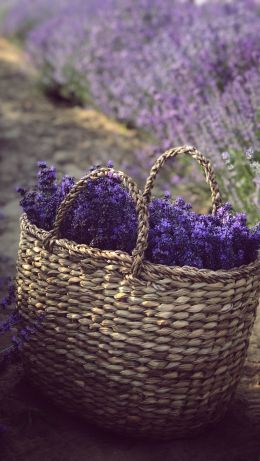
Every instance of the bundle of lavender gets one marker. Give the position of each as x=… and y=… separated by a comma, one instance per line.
x=104, y=217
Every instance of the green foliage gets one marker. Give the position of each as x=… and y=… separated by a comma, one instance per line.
x=240, y=180
x=74, y=91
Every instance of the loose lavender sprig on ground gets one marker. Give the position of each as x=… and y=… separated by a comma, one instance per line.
x=13, y=325
x=16, y=334
x=104, y=216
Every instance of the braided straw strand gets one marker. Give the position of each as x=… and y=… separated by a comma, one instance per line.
x=193, y=152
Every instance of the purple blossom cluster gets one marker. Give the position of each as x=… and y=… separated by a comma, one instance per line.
x=178, y=236
x=23, y=15
x=41, y=203
x=103, y=216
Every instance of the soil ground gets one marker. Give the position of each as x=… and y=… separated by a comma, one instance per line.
x=34, y=128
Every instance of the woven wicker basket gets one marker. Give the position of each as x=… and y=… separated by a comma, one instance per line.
x=137, y=347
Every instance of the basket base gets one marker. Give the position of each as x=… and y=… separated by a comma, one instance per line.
x=135, y=431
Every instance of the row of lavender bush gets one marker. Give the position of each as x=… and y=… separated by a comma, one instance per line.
x=182, y=72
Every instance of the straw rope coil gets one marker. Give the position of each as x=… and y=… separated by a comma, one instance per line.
x=137, y=347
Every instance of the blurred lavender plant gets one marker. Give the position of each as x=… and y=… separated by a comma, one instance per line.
x=58, y=59
x=162, y=56
x=23, y=15
x=58, y=46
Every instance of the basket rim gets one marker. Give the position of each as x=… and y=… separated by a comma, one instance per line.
x=182, y=272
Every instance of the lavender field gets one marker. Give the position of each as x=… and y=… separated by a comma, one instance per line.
x=177, y=71
x=97, y=82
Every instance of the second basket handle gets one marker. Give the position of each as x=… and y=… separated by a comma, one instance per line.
x=193, y=152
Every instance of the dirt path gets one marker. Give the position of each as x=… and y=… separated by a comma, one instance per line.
x=33, y=128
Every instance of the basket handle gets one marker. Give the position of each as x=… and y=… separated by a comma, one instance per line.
x=141, y=208
x=141, y=200
x=193, y=152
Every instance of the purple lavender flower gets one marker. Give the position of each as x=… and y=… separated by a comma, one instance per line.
x=23, y=15
x=41, y=203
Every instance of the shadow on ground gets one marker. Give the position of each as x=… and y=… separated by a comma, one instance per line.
x=39, y=432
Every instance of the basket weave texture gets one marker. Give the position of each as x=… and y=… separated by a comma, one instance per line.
x=141, y=348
